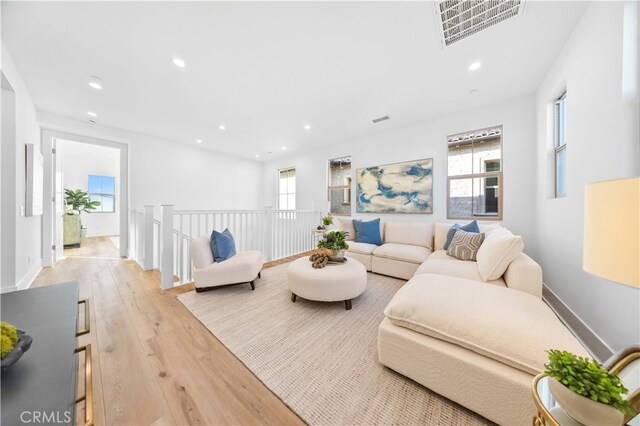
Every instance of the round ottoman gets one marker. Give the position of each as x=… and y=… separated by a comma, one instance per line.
x=333, y=283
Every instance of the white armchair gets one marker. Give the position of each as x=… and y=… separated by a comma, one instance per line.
x=243, y=268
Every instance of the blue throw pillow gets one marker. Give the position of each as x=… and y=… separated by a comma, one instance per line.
x=222, y=245
x=368, y=232
x=469, y=227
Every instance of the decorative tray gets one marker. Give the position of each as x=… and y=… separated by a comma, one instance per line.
x=22, y=345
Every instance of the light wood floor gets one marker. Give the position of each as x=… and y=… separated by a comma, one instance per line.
x=153, y=362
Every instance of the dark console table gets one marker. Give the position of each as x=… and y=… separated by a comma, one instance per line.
x=41, y=387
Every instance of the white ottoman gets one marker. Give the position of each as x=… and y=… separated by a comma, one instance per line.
x=333, y=283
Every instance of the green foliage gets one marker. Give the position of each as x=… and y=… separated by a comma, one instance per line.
x=334, y=240
x=8, y=338
x=80, y=201
x=327, y=220
x=585, y=377
x=5, y=346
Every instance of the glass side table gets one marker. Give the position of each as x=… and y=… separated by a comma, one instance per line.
x=626, y=364
x=549, y=411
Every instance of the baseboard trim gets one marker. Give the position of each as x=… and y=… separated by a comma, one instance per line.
x=594, y=344
x=28, y=278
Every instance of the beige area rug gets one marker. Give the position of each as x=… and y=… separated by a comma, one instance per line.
x=318, y=358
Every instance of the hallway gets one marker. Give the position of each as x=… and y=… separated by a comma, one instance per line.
x=153, y=362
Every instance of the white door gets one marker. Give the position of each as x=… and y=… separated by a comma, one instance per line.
x=58, y=202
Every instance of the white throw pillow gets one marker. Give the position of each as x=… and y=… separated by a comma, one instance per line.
x=346, y=224
x=496, y=253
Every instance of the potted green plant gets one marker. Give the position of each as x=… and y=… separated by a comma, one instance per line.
x=587, y=392
x=335, y=243
x=79, y=201
x=326, y=221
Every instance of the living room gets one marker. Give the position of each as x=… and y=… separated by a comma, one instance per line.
x=507, y=118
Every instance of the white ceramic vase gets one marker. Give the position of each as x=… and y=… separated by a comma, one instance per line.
x=583, y=409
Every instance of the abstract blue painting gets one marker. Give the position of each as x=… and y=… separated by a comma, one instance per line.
x=396, y=188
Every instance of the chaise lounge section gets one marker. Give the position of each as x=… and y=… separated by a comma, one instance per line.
x=476, y=333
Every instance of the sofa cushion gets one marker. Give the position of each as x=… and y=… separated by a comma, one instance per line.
x=368, y=231
x=499, y=249
x=346, y=224
x=469, y=227
x=223, y=246
x=440, y=231
x=465, y=245
x=402, y=252
x=201, y=254
x=414, y=233
x=439, y=262
x=361, y=248
x=511, y=327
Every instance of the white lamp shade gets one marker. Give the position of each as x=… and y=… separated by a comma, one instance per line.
x=612, y=230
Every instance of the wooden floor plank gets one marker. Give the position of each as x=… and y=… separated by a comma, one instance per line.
x=154, y=363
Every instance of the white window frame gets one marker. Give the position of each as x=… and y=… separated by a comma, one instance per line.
x=559, y=142
x=280, y=171
x=490, y=217
x=102, y=195
x=346, y=186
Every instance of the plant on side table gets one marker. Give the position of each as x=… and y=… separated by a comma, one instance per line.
x=587, y=392
x=326, y=221
x=79, y=201
x=335, y=242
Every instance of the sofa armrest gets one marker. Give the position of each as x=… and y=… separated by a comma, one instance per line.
x=524, y=274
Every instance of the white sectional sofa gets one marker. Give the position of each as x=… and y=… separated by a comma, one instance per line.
x=479, y=343
x=412, y=248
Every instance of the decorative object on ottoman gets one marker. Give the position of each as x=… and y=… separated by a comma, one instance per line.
x=339, y=283
x=13, y=344
x=587, y=392
x=335, y=242
x=319, y=260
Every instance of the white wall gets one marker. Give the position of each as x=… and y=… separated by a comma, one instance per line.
x=590, y=68
x=166, y=172
x=22, y=233
x=428, y=140
x=79, y=160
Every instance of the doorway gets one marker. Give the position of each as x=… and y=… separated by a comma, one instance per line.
x=98, y=169
x=89, y=177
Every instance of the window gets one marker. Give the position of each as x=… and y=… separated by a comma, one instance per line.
x=560, y=125
x=287, y=189
x=103, y=189
x=474, y=182
x=339, y=186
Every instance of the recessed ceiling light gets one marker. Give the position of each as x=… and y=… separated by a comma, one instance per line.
x=199, y=140
x=307, y=127
x=257, y=155
x=222, y=127
x=474, y=66
x=95, y=82
x=284, y=148
x=179, y=62
x=92, y=114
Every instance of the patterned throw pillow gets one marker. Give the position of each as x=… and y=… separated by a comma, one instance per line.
x=465, y=245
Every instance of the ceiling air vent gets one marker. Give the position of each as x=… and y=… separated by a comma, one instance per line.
x=459, y=19
x=377, y=120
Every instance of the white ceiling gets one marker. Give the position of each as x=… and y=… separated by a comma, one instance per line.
x=264, y=70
